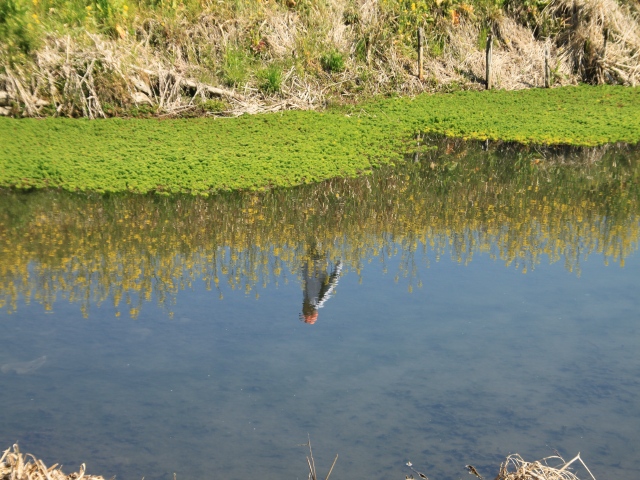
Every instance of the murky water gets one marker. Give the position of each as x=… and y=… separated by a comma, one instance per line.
x=447, y=312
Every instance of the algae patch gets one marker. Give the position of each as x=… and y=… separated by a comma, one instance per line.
x=202, y=156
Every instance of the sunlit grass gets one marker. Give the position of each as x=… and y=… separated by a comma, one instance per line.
x=201, y=156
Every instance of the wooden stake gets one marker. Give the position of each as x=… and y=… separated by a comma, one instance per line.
x=420, y=53
x=489, y=53
x=547, y=73
x=601, y=67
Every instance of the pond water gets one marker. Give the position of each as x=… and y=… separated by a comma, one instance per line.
x=473, y=304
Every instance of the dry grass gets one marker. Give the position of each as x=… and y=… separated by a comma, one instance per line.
x=15, y=465
x=600, y=39
x=518, y=58
x=515, y=468
x=173, y=68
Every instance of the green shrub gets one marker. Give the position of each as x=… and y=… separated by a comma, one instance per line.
x=18, y=30
x=270, y=79
x=482, y=38
x=235, y=69
x=361, y=49
x=214, y=106
x=332, y=61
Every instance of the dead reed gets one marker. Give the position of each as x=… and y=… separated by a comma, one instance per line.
x=600, y=39
x=212, y=61
x=312, y=464
x=15, y=465
x=515, y=468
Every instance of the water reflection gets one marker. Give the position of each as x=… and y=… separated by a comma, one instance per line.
x=518, y=206
x=481, y=361
x=320, y=277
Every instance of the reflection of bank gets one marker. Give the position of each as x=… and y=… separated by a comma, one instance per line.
x=319, y=285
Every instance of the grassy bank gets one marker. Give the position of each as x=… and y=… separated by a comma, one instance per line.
x=201, y=156
x=104, y=58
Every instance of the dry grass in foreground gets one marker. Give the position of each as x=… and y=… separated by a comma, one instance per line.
x=515, y=468
x=15, y=465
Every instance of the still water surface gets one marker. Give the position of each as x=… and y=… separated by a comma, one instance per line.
x=146, y=337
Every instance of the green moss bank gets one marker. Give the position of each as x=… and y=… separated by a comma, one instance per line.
x=201, y=156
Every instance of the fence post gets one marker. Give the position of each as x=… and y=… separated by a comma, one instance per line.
x=489, y=53
x=603, y=78
x=547, y=73
x=420, y=53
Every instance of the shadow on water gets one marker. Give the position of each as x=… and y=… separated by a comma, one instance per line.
x=517, y=204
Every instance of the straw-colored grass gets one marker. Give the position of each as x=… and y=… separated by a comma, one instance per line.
x=600, y=40
x=516, y=468
x=209, y=59
x=15, y=465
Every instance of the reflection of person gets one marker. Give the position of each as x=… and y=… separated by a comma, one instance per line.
x=318, y=286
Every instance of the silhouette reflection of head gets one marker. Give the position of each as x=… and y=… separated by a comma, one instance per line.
x=309, y=313
x=318, y=285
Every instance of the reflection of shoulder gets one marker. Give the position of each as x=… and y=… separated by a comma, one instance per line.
x=337, y=269
x=335, y=274
x=327, y=290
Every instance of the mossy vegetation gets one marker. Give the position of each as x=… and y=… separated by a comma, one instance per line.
x=202, y=156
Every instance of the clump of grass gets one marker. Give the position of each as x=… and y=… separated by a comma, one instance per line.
x=271, y=79
x=17, y=30
x=214, y=106
x=515, y=468
x=332, y=62
x=235, y=67
x=21, y=466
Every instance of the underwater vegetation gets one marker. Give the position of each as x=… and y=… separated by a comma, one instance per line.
x=203, y=156
x=520, y=206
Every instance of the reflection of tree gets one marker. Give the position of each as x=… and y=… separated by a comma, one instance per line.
x=129, y=249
